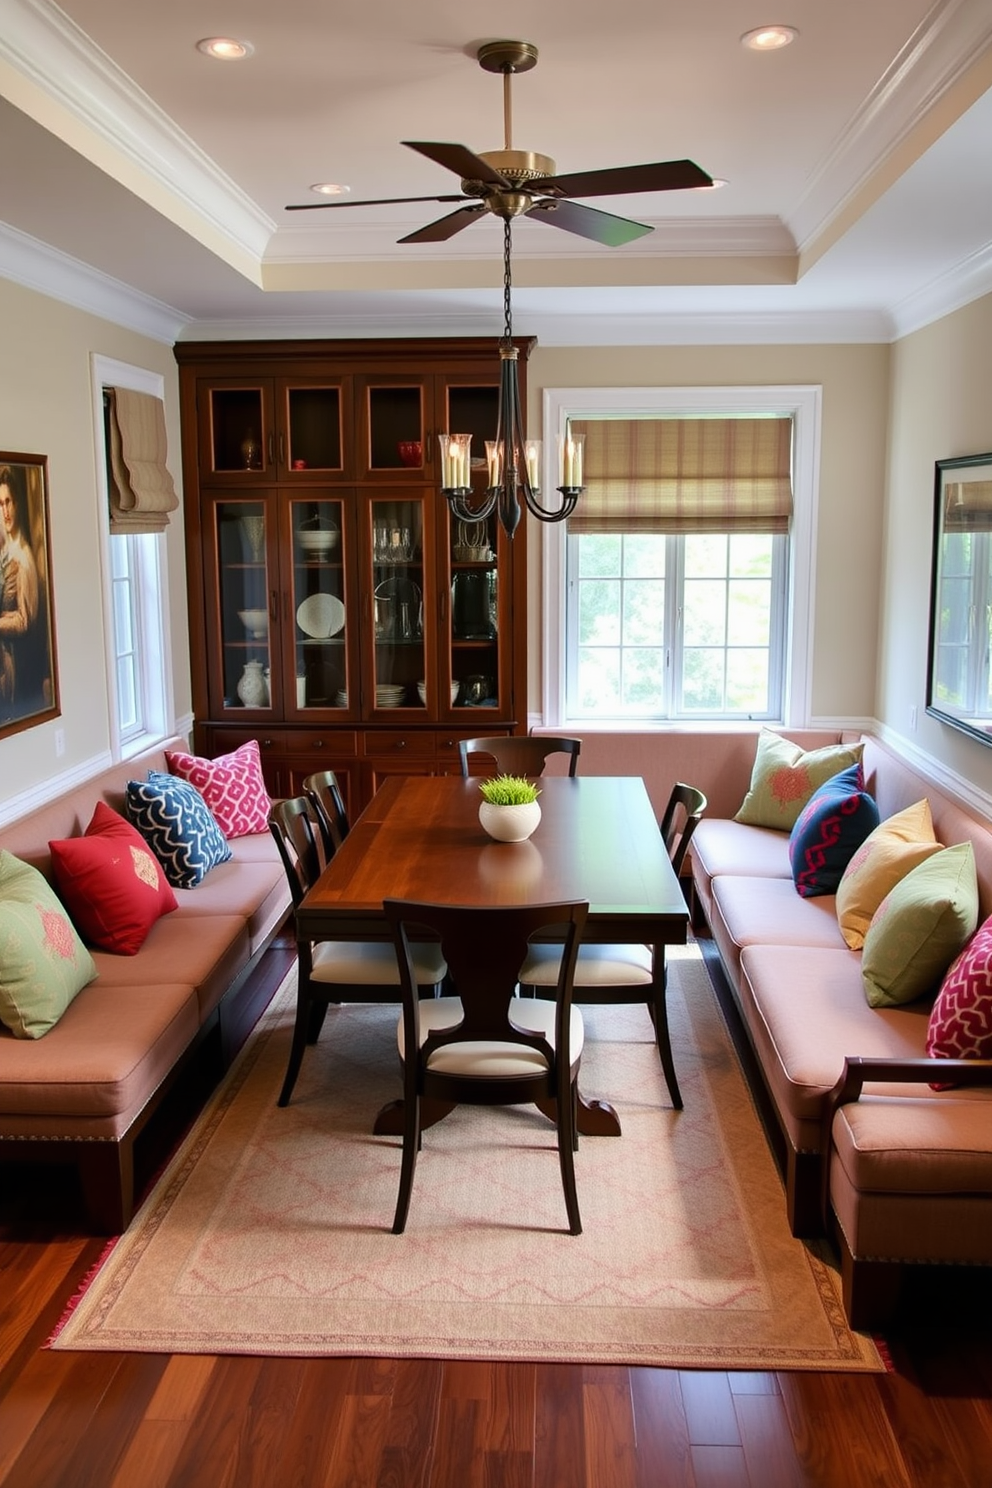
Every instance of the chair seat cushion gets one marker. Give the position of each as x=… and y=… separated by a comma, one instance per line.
x=493, y=1059
x=595, y=966
x=373, y=963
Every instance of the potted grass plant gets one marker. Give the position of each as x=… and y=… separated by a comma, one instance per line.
x=509, y=810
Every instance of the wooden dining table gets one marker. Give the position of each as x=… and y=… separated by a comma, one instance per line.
x=598, y=840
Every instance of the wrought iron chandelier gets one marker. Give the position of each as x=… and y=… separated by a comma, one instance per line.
x=513, y=462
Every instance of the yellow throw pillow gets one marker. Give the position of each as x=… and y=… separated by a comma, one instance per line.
x=785, y=776
x=894, y=849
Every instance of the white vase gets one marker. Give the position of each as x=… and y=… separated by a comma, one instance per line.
x=252, y=687
x=510, y=823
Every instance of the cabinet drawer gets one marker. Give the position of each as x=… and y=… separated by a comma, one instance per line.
x=447, y=743
x=224, y=740
x=398, y=742
x=324, y=741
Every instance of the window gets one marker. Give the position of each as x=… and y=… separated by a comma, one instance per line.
x=135, y=597
x=644, y=626
x=674, y=627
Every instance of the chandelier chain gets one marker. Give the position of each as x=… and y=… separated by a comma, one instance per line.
x=507, y=312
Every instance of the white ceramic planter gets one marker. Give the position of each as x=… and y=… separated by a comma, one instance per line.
x=510, y=823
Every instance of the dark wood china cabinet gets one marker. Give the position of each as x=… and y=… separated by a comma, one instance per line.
x=337, y=612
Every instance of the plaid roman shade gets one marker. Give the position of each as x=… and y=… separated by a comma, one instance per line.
x=141, y=490
x=685, y=475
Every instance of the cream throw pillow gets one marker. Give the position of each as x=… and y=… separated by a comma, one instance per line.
x=891, y=851
x=785, y=776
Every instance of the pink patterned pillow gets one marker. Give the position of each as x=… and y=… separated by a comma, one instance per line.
x=231, y=785
x=961, y=1018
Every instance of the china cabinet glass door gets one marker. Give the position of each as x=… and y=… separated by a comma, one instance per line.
x=474, y=627
x=318, y=606
x=401, y=572
x=245, y=602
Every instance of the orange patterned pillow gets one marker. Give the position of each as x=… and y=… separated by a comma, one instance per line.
x=785, y=776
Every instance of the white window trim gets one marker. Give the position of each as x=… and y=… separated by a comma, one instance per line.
x=803, y=404
x=158, y=710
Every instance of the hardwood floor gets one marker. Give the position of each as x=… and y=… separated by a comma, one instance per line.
x=153, y=1421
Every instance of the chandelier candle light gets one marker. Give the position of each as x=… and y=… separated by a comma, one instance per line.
x=513, y=463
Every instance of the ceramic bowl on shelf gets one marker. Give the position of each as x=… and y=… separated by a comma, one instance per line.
x=255, y=622
x=318, y=542
x=389, y=696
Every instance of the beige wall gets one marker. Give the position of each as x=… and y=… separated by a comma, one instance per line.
x=46, y=407
x=852, y=473
x=940, y=408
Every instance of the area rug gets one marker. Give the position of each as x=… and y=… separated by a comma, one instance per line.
x=269, y=1233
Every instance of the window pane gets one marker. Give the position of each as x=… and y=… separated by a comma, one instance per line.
x=705, y=617
x=599, y=555
x=599, y=611
x=747, y=681
x=644, y=556
x=702, y=681
x=643, y=612
x=749, y=612
x=750, y=556
x=599, y=679
x=705, y=555
x=644, y=678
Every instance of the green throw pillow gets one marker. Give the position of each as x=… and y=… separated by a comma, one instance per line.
x=785, y=776
x=43, y=962
x=920, y=926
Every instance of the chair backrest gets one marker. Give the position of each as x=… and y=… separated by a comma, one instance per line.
x=685, y=806
x=515, y=755
x=484, y=950
x=297, y=836
x=324, y=793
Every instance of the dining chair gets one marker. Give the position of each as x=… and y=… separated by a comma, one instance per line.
x=486, y=1046
x=333, y=970
x=324, y=794
x=614, y=974
x=685, y=806
x=515, y=755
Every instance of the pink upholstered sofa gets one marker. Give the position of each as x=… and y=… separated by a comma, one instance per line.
x=902, y=1174
x=84, y=1090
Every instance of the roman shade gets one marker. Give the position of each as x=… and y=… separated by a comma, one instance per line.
x=968, y=506
x=141, y=490
x=685, y=475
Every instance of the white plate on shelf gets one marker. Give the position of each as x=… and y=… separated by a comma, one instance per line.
x=321, y=616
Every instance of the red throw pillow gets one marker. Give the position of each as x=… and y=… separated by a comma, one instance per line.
x=231, y=785
x=961, y=1018
x=111, y=883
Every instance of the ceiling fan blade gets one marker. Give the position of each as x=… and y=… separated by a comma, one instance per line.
x=601, y=227
x=459, y=158
x=665, y=175
x=444, y=227
x=379, y=201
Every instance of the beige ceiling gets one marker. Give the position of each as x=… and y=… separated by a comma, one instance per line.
x=858, y=163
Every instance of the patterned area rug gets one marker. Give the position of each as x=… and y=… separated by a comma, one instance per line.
x=269, y=1232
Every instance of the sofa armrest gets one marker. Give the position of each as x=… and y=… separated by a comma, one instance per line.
x=858, y=1072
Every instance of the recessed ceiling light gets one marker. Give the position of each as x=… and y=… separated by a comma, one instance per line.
x=330, y=188
x=769, y=38
x=225, y=48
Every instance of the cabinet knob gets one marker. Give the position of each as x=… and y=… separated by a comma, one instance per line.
x=318, y=743
x=266, y=743
x=400, y=743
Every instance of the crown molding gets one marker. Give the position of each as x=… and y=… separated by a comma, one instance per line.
x=54, y=73
x=35, y=265
x=953, y=41
x=957, y=287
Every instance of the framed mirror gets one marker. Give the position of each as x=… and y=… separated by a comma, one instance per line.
x=959, y=668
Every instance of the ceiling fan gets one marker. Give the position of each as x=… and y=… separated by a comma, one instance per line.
x=512, y=183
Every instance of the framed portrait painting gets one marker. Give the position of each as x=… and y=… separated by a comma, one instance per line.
x=29, y=689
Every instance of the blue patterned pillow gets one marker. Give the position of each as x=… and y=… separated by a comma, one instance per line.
x=178, y=826
x=829, y=830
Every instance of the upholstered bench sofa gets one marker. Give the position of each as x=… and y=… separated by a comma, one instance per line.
x=901, y=1173
x=84, y=1090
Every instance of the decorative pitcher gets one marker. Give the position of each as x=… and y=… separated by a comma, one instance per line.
x=253, y=689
